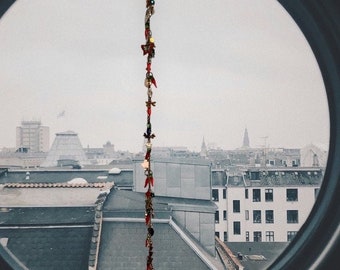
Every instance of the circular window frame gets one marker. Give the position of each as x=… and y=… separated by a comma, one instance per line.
x=317, y=243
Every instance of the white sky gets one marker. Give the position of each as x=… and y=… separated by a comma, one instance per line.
x=220, y=66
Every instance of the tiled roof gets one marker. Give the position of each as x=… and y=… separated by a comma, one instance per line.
x=50, y=248
x=122, y=248
x=55, y=237
x=97, y=229
x=48, y=194
x=62, y=175
x=54, y=185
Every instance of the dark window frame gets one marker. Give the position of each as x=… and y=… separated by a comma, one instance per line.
x=237, y=228
x=257, y=216
x=292, y=194
x=269, y=195
x=270, y=236
x=257, y=236
x=292, y=216
x=224, y=193
x=236, y=206
x=215, y=195
x=224, y=214
x=269, y=216
x=217, y=216
x=256, y=195
x=291, y=235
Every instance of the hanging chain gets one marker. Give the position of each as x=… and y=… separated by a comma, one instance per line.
x=149, y=50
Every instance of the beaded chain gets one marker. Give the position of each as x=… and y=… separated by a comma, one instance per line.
x=149, y=50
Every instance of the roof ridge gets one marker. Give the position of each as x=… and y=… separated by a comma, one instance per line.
x=57, y=185
x=97, y=229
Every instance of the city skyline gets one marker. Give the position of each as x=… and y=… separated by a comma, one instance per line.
x=79, y=67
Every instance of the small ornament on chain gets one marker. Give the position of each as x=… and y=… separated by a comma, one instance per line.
x=149, y=50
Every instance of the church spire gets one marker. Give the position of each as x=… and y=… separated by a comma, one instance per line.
x=203, y=149
x=245, y=139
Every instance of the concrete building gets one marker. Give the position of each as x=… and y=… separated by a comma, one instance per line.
x=264, y=204
x=33, y=136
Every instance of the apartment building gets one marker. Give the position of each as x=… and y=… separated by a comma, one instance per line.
x=263, y=204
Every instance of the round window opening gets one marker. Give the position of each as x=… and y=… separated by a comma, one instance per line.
x=239, y=88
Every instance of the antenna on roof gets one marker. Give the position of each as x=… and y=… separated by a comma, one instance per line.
x=265, y=150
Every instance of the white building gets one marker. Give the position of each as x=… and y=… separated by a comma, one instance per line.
x=264, y=204
x=33, y=136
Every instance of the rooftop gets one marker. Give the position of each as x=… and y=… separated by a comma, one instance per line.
x=257, y=255
x=50, y=194
x=62, y=175
x=56, y=226
x=277, y=176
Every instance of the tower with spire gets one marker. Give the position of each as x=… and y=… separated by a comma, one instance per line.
x=204, y=151
x=245, y=139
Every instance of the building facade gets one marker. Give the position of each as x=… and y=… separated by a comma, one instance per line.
x=264, y=205
x=32, y=135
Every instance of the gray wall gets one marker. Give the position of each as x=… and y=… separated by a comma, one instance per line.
x=177, y=178
x=200, y=225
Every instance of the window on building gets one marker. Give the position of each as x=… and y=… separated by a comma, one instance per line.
x=254, y=175
x=237, y=227
x=246, y=193
x=292, y=194
x=217, y=234
x=236, y=206
x=290, y=235
x=217, y=217
x=257, y=216
x=224, y=215
x=257, y=236
x=269, y=216
x=224, y=193
x=225, y=236
x=247, y=214
x=269, y=195
x=247, y=236
x=295, y=163
x=270, y=236
x=292, y=216
x=256, y=195
x=215, y=195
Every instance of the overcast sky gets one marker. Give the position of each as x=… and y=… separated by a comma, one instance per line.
x=220, y=66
